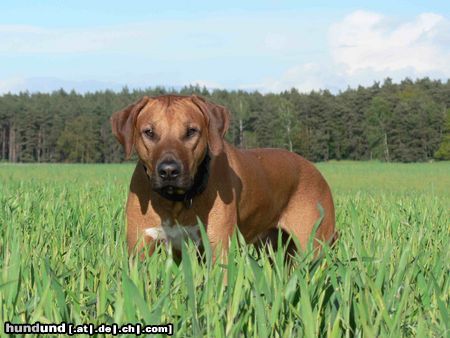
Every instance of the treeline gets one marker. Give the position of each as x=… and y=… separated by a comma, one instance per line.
x=404, y=122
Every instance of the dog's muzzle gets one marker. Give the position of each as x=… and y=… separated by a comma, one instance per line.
x=169, y=182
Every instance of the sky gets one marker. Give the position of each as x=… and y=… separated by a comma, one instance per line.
x=264, y=45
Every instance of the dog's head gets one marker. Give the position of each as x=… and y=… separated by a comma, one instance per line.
x=171, y=135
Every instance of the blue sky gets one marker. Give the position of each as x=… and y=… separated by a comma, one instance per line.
x=265, y=45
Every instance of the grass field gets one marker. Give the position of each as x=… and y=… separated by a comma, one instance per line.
x=63, y=258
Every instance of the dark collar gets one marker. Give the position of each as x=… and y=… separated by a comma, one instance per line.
x=199, y=185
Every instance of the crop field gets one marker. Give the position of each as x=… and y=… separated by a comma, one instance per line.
x=63, y=258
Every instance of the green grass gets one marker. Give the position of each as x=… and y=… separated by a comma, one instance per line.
x=63, y=258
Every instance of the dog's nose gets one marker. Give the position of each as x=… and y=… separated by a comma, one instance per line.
x=168, y=170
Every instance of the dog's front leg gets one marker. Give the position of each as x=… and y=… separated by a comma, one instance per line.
x=219, y=241
x=140, y=244
x=219, y=231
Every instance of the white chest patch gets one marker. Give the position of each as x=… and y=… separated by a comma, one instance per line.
x=174, y=233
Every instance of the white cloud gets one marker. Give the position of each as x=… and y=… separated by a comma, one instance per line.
x=10, y=85
x=49, y=84
x=365, y=47
x=172, y=39
x=218, y=51
x=32, y=39
x=268, y=53
x=370, y=41
x=305, y=78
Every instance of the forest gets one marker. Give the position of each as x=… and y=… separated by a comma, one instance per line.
x=393, y=122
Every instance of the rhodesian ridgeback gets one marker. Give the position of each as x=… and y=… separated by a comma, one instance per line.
x=187, y=171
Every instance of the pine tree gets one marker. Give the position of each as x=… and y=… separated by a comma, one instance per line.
x=443, y=153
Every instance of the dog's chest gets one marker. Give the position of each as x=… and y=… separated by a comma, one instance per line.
x=174, y=233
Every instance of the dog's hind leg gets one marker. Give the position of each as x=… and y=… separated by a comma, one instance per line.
x=306, y=217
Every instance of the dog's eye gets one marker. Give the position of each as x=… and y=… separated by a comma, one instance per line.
x=191, y=132
x=149, y=133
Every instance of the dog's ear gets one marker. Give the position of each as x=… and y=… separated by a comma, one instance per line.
x=218, y=121
x=123, y=123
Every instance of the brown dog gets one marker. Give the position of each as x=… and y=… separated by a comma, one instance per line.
x=186, y=170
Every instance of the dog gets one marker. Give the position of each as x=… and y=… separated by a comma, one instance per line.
x=187, y=172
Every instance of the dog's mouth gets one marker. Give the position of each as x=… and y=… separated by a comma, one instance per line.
x=172, y=190
x=178, y=187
